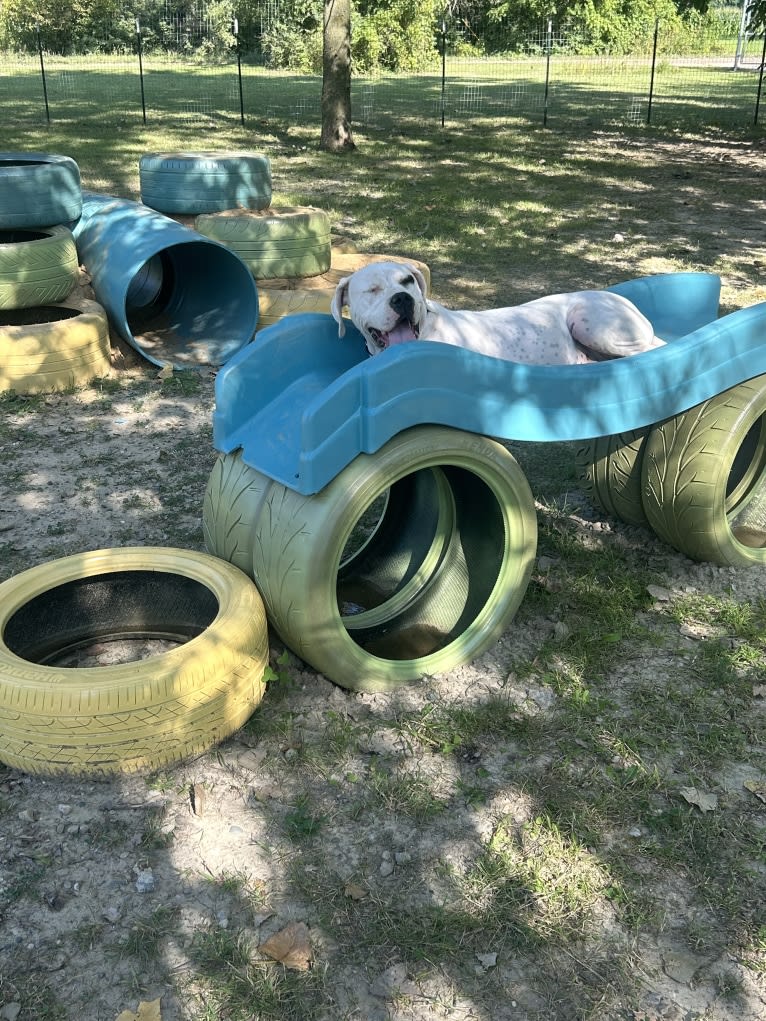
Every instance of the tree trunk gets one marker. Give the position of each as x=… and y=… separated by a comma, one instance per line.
x=336, y=77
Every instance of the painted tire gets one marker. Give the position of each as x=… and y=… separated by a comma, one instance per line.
x=278, y=298
x=704, y=478
x=53, y=347
x=37, y=266
x=609, y=469
x=135, y=715
x=38, y=189
x=439, y=578
x=293, y=241
x=188, y=183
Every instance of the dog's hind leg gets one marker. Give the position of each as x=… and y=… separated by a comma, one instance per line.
x=606, y=325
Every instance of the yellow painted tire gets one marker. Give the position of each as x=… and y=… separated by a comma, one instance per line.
x=129, y=716
x=37, y=266
x=292, y=241
x=435, y=584
x=53, y=347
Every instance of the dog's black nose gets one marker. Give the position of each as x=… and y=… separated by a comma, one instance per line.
x=402, y=304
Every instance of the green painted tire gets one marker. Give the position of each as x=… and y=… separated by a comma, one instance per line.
x=293, y=241
x=438, y=578
x=609, y=470
x=704, y=478
x=37, y=266
x=60, y=717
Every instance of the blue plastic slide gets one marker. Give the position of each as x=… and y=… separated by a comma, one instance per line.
x=302, y=403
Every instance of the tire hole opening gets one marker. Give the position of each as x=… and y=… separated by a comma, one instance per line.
x=429, y=568
x=745, y=489
x=20, y=235
x=116, y=617
x=38, y=314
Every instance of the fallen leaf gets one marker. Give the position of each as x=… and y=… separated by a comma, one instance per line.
x=290, y=946
x=757, y=787
x=147, y=1011
x=354, y=891
x=704, y=802
x=165, y=372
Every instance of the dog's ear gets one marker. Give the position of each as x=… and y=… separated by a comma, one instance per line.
x=421, y=280
x=339, y=300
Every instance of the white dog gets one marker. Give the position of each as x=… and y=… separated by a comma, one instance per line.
x=387, y=302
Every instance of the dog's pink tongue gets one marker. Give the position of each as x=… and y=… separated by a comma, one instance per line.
x=400, y=333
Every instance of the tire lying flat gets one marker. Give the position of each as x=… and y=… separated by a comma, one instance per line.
x=204, y=182
x=291, y=241
x=38, y=189
x=146, y=714
x=439, y=578
x=38, y=266
x=53, y=347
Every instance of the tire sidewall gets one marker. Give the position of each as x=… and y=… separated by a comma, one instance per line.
x=336, y=510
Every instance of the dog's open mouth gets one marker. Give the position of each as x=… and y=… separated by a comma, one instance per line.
x=404, y=330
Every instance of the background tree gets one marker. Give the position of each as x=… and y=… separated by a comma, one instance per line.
x=336, y=77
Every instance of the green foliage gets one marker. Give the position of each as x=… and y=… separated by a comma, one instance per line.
x=399, y=35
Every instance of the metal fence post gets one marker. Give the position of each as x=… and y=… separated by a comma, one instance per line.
x=42, y=73
x=548, y=47
x=235, y=33
x=760, y=81
x=651, y=79
x=141, y=69
x=444, y=66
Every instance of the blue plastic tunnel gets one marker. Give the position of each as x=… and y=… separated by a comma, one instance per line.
x=177, y=297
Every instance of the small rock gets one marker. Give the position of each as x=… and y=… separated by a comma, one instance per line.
x=658, y=592
x=618, y=238
x=28, y=815
x=145, y=882
x=10, y=1011
x=386, y=868
x=111, y=914
x=487, y=960
x=64, y=809
x=635, y=831
x=402, y=857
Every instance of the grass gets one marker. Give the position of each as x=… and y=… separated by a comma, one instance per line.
x=539, y=814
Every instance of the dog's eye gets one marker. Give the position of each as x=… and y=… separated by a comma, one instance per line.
x=407, y=280
x=373, y=290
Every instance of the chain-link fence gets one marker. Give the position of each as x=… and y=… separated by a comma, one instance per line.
x=169, y=72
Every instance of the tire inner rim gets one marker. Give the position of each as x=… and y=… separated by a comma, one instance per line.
x=745, y=489
x=428, y=567
x=120, y=606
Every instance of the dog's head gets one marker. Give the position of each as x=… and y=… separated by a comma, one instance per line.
x=386, y=302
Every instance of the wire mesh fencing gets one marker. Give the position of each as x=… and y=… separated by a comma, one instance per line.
x=543, y=81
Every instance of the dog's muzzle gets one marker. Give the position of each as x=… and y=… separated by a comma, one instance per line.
x=405, y=329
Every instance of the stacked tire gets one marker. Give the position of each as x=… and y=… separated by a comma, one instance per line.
x=50, y=339
x=698, y=480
